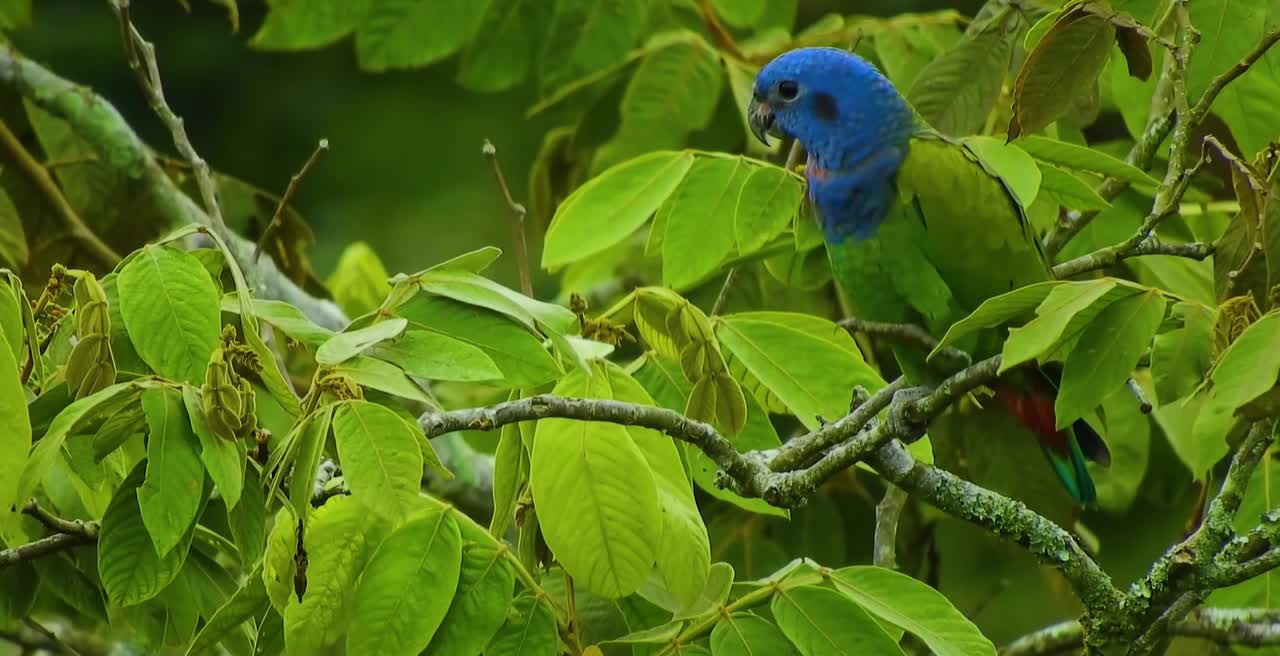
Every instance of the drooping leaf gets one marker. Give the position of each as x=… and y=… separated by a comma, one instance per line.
x=224, y=459
x=381, y=460
x=1107, y=353
x=1181, y=357
x=344, y=346
x=412, y=34
x=996, y=311
x=701, y=223
x=587, y=36
x=405, y=590
x=483, y=596
x=1081, y=158
x=956, y=91
x=170, y=495
x=248, y=602
x=594, y=470
x=437, y=357
x=612, y=205
x=359, y=281
x=914, y=606
x=382, y=376
x=746, y=634
x=1068, y=190
x=502, y=53
x=1011, y=163
x=287, y=318
x=15, y=427
x=823, y=621
x=170, y=308
x=312, y=438
x=1065, y=63
x=1059, y=308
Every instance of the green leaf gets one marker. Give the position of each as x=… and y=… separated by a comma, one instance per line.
x=1082, y=158
x=224, y=459
x=757, y=433
x=380, y=457
x=611, y=206
x=170, y=308
x=808, y=372
x=957, y=90
x=13, y=239
x=437, y=357
x=248, y=602
x=128, y=565
x=1068, y=190
x=1011, y=164
x=170, y=495
x=1052, y=316
x=482, y=599
x=520, y=355
x=1229, y=29
x=345, y=346
x=15, y=14
x=382, y=376
x=908, y=603
x=510, y=477
x=278, y=565
x=359, y=281
x=1199, y=449
x=1107, y=353
x=289, y=319
x=684, y=554
x=76, y=589
x=588, y=36
x=15, y=427
x=412, y=33
x=597, y=500
x=1247, y=369
x=1181, y=357
x=308, y=24
x=530, y=630
x=474, y=289
x=820, y=621
x=18, y=585
x=501, y=54
x=311, y=442
x=339, y=539
x=740, y=13
x=769, y=199
x=745, y=634
x=700, y=225
x=406, y=588
x=11, y=320
x=248, y=520
x=1064, y=65
x=996, y=311
x=1128, y=436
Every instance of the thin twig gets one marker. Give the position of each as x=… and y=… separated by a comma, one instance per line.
x=39, y=176
x=518, y=213
x=719, y=34
x=888, y=513
x=1105, y=257
x=294, y=181
x=724, y=291
x=906, y=332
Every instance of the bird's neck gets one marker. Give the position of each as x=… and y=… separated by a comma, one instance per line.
x=852, y=200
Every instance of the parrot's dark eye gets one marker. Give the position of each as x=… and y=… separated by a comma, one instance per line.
x=788, y=90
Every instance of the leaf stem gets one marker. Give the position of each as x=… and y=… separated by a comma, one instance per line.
x=518, y=213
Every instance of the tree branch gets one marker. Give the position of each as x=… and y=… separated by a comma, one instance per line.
x=67, y=534
x=1105, y=257
x=289, y=191
x=888, y=513
x=908, y=333
x=1254, y=627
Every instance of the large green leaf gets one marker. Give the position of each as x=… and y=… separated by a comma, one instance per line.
x=530, y=630
x=1245, y=371
x=483, y=596
x=1068, y=190
x=287, y=318
x=340, y=537
x=1199, y=449
x=745, y=634
x=811, y=375
x=768, y=201
x=914, y=606
x=684, y=554
x=1128, y=435
x=957, y=90
x=1013, y=165
x=312, y=438
x=248, y=602
x=1107, y=353
x=13, y=239
x=1228, y=30
x=822, y=622
x=521, y=356
x=1181, y=357
x=475, y=289
x=1064, y=65
x=501, y=54
x=998, y=310
x=406, y=588
x=611, y=206
x=412, y=33
x=437, y=357
x=510, y=476
x=15, y=427
x=597, y=500
x=128, y=565
x=588, y=36
x=1083, y=158
x=382, y=376
x=170, y=308
x=700, y=224
x=1053, y=315
x=380, y=456
x=308, y=24
x=278, y=565
x=344, y=346
x=224, y=459
x=170, y=495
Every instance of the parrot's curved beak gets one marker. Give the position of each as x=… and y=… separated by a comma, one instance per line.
x=760, y=116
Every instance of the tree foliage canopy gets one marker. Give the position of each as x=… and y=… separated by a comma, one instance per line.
x=691, y=448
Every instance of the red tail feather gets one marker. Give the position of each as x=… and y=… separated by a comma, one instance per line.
x=1036, y=414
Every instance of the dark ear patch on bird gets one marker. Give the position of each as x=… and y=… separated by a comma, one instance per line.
x=824, y=105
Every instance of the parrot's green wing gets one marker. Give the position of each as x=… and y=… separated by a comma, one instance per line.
x=956, y=237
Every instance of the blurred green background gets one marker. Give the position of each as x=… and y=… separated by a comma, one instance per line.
x=404, y=172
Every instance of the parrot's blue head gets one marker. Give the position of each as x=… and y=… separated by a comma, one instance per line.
x=852, y=122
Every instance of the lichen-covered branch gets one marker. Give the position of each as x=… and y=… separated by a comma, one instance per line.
x=67, y=534
x=1253, y=627
x=1105, y=257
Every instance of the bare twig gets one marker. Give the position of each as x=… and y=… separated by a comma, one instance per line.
x=909, y=333
x=518, y=213
x=888, y=512
x=289, y=191
x=724, y=291
x=39, y=176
